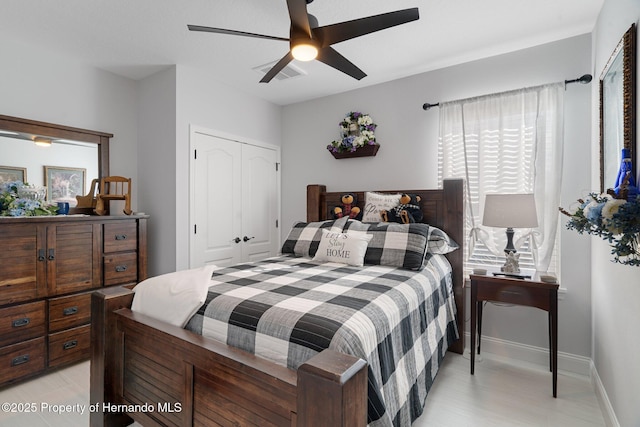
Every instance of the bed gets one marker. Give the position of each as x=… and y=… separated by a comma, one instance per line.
x=157, y=374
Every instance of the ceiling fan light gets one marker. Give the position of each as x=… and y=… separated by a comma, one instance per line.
x=304, y=51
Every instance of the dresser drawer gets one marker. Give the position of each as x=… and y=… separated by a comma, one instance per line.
x=21, y=360
x=69, y=346
x=22, y=322
x=69, y=312
x=120, y=237
x=120, y=268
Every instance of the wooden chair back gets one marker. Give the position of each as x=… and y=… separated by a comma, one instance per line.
x=89, y=200
x=113, y=188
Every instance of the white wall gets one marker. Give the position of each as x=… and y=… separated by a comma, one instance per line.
x=615, y=288
x=170, y=102
x=408, y=159
x=157, y=167
x=41, y=85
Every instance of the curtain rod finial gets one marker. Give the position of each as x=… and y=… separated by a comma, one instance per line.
x=426, y=106
x=584, y=79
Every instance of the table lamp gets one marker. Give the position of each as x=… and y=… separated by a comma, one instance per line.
x=510, y=211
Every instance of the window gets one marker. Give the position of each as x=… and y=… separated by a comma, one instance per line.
x=506, y=143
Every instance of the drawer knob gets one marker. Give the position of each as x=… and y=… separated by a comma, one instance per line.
x=121, y=268
x=70, y=344
x=70, y=310
x=20, y=360
x=121, y=236
x=21, y=322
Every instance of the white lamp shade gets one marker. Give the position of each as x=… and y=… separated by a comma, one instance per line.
x=510, y=211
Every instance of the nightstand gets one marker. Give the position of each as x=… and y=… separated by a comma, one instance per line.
x=527, y=292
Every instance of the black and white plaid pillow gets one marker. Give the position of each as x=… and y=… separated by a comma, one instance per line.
x=304, y=237
x=394, y=245
x=440, y=242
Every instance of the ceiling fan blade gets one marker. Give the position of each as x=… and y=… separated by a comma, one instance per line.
x=233, y=32
x=277, y=68
x=332, y=58
x=342, y=31
x=298, y=15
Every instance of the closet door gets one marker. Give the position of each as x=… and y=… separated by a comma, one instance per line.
x=235, y=201
x=259, y=203
x=217, y=201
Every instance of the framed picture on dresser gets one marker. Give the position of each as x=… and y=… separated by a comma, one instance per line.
x=12, y=173
x=64, y=183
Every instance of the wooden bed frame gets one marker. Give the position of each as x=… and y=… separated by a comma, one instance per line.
x=157, y=374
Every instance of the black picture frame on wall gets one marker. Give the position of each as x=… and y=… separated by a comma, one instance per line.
x=618, y=109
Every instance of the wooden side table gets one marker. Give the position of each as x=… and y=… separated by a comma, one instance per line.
x=531, y=293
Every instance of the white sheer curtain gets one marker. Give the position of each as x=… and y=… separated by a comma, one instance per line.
x=509, y=142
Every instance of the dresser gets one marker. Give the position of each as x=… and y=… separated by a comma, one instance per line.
x=49, y=266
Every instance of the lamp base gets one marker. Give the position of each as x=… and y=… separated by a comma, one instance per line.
x=511, y=264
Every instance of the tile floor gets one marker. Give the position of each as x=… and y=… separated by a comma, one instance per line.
x=499, y=394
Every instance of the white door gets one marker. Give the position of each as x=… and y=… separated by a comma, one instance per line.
x=259, y=203
x=234, y=201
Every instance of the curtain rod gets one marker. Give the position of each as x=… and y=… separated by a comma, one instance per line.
x=584, y=79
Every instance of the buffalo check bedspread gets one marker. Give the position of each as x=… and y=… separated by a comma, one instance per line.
x=287, y=309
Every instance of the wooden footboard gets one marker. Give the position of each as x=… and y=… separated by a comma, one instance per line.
x=157, y=374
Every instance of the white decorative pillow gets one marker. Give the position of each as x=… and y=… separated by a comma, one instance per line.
x=375, y=202
x=342, y=248
x=173, y=297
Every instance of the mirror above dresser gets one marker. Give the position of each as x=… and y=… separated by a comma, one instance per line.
x=45, y=152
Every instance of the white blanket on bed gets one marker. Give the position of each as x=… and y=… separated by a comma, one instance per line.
x=173, y=297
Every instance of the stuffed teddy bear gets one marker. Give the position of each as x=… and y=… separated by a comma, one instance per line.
x=406, y=212
x=348, y=207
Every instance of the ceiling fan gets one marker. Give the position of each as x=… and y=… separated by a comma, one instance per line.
x=308, y=41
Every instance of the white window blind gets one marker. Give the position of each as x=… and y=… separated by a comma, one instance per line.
x=506, y=143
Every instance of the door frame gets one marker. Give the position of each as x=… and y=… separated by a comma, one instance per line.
x=194, y=129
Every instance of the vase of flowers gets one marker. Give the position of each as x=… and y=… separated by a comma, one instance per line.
x=357, y=137
x=615, y=220
x=20, y=199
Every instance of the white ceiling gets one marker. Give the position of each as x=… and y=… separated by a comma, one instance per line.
x=135, y=38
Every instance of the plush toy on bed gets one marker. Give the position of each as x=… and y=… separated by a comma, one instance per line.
x=406, y=212
x=348, y=207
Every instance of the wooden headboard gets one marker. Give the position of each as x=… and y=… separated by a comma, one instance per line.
x=442, y=208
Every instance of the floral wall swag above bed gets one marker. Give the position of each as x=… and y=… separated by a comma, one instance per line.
x=357, y=137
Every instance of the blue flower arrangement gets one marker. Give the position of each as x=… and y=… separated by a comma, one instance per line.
x=612, y=219
x=356, y=130
x=11, y=204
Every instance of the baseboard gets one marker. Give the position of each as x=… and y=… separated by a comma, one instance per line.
x=518, y=353
x=523, y=353
x=608, y=413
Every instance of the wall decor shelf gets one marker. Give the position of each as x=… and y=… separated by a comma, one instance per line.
x=366, y=151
